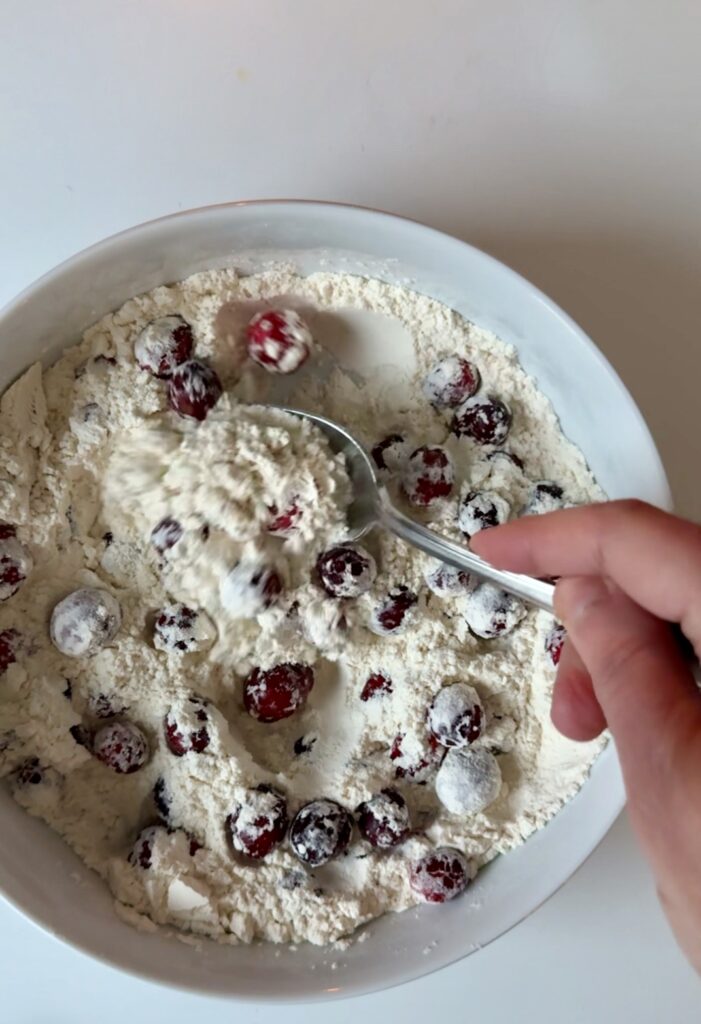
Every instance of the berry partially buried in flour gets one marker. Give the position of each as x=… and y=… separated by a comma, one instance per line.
x=269, y=695
x=259, y=822
x=346, y=571
x=10, y=642
x=414, y=759
x=395, y=613
x=448, y=581
x=249, y=589
x=490, y=612
x=164, y=344
x=179, y=629
x=321, y=830
x=546, y=496
x=279, y=340
x=16, y=562
x=468, y=780
x=485, y=419
x=456, y=715
x=440, y=876
x=286, y=522
x=157, y=841
x=391, y=454
x=428, y=476
x=376, y=685
x=187, y=726
x=85, y=622
x=480, y=510
x=194, y=390
x=36, y=785
x=555, y=641
x=166, y=534
x=450, y=382
x=121, y=746
x=384, y=819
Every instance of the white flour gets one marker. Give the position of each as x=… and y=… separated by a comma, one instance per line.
x=91, y=461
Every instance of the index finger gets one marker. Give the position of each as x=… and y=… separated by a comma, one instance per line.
x=653, y=556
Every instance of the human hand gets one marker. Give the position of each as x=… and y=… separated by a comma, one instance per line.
x=627, y=570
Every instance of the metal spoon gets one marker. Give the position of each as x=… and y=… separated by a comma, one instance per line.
x=372, y=506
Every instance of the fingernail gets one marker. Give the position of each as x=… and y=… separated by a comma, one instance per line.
x=575, y=596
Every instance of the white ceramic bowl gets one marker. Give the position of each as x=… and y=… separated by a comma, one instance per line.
x=38, y=873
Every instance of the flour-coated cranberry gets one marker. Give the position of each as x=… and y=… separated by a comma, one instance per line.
x=179, y=629
x=259, y=822
x=546, y=496
x=286, y=522
x=483, y=418
x=555, y=641
x=456, y=715
x=100, y=705
x=187, y=726
x=84, y=622
x=166, y=534
x=30, y=773
x=394, y=614
x=376, y=685
x=416, y=760
x=279, y=340
x=429, y=476
x=450, y=382
x=164, y=344
x=390, y=455
x=162, y=798
x=384, y=819
x=249, y=588
x=469, y=780
x=321, y=830
x=449, y=581
x=10, y=641
x=269, y=695
x=16, y=563
x=490, y=612
x=480, y=510
x=440, y=876
x=346, y=571
x=122, y=746
x=194, y=389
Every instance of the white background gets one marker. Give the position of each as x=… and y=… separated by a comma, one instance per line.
x=563, y=136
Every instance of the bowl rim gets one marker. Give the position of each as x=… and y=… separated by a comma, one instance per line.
x=86, y=254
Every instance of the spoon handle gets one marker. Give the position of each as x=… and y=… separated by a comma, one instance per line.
x=527, y=588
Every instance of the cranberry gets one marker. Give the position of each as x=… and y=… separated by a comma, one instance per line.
x=416, y=760
x=391, y=453
x=286, y=522
x=449, y=581
x=279, y=340
x=346, y=571
x=30, y=773
x=546, y=496
x=7, y=530
x=81, y=735
x=451, y=381
x=162, y=798
x=164, y=344
x=440, y=875
x=250, y=588
x=182, y=630
x=468, y=780
x=166, y=534
x=484, y=418
x=502, y=455
x=428, y=477
x=102, y=706
x=455, y=716
x=16, y=563
x=375, y=686
x=272, y=694
x=194, y=390
x=321, y=830
x=480, y=510
x=304, y=745
x=186, y=726
x=84, y=622
x=10, y=640
x=141, y=854
x=393, y=615
x=491, y=612
x=121, y=746
x=259, y=823
x=554, y=642
x=384, y=819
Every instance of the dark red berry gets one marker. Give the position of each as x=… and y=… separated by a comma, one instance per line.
x=194, y=390
x=162, y=798
x=428, y=476
x=250, y=588
x=455, y=716
x=554, y=642
x=166, y=534
x=16, y=563
x=10, y=640
x=286, y=522
x=122, y=746
x=440, y=875
x=182, y=630
x=279, y=340
x=346, y=571
x=102, y=706
x=392, y=615
x=164, y=344
x=484, y=418
x=186, y=727
x=480, y=510
x=375, y=686
x=391, y=453
x=272, y=694
x=259, y=823
x=384, y=819
x=416, y=760
x=321, y=830
x=546, y=496
x=450, y=382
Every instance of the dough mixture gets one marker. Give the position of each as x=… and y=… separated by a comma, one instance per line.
x=248, y=726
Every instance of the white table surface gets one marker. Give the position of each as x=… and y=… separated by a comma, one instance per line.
x=563, y=136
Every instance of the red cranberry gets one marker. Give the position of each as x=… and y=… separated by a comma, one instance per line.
x=186, y=727
x=375, y=686
x=449, y=581
x=480, y=510
x=286, y=522
x=272, y=694
x=455, y=716
x=84, y=622
x=166, y=534
x=428, y=477
x=440, y=875
x=393, y=615
x=121, y=746
x=321, y=830
x=491, y=612
x=279, y=340
x=450, y=382
x=16, y=563
x=384, y=819
x=346, y=571
x=194, y=390
x=416, y=761
x=182, y=630
x=259, y=824
x=391, y=453
x=10, y=641
x=484, y=418
x=164, y=344
x=554, y=642
x=546, y=496
x=141, y=854
x=250, y=588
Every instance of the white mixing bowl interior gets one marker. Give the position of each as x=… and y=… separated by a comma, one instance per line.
x=38, y=873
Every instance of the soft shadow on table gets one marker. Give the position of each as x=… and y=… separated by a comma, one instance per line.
x=639, y=298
